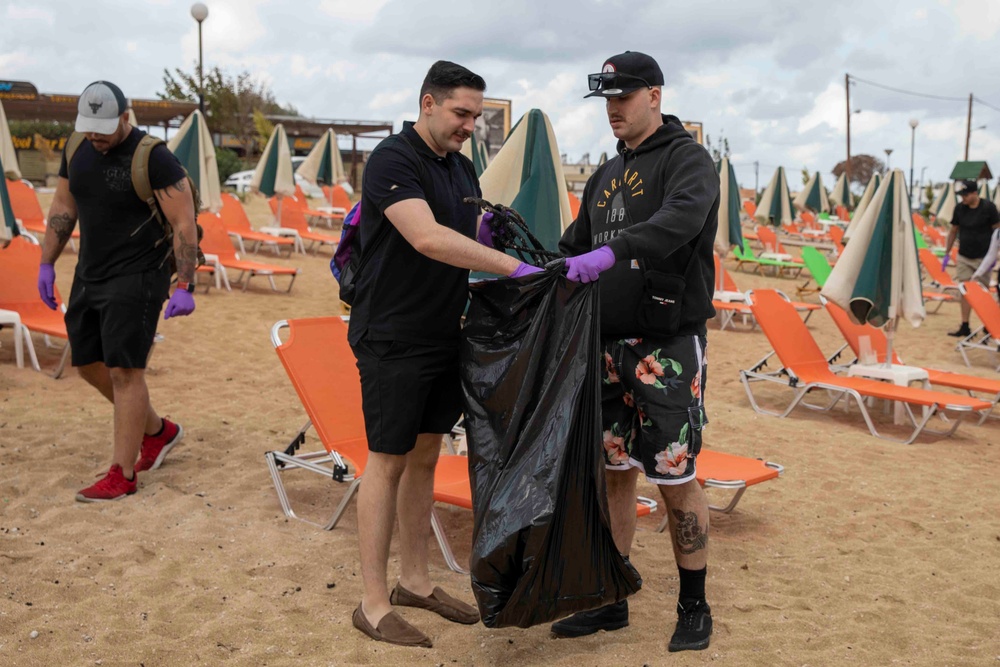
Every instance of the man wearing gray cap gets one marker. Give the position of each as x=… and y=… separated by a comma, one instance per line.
x=972, y=224
x=122, y=275
x=645, y=229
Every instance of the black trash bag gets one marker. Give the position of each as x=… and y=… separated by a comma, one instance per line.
x=542, y=546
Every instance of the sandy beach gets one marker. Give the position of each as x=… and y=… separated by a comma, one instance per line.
x=865, y=552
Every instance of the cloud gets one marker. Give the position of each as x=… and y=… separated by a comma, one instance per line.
x=392, y=99
x=352, y=10
x=17, y=12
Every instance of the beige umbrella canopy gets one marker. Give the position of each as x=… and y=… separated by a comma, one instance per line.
x=8, y=156
x=775, y=207
x=324, y=164
x=841, y=195
x=866, y=197
x=274, y=174
x=194, y=149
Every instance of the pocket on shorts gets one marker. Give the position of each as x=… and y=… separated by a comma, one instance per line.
x=696, y=423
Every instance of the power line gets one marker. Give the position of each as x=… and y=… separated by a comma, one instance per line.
x=907, y=92
x=984, y=103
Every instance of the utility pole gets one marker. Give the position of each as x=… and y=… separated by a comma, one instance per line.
x=756, y=178
x=968, y=129
x=847, y=165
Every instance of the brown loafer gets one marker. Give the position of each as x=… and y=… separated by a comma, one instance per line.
x=439, y=602
x=392, y=629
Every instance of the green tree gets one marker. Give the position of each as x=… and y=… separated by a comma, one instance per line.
x=230, y=102
x=720, y=148
x=805, y=176
x=48, y=129
x=929, y=199
x=228, y=162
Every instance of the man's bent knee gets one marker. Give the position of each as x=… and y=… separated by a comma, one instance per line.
x=679, y=493
x=127, y=376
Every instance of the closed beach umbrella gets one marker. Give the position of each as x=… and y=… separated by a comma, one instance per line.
x=877, y=279
x=527, y=175
x=943, y=208
x=8, y=225
x=813, y=196
x=274, y=175
x=859, y=210
x=996, y=194
x=841, y=195
x=7, y=154
x=729, y=233
x=775, y=207
x=194, y=149
x=324, y=164
x=132, y=120
x=475, y=150
x=984, y=190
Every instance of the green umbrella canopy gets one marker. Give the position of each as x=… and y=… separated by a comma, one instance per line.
x=729, y=232
x=8, y=225
x=813, y=196
x=194, y=149
x=274, y=174
x=877, y=279
x=475, y=150
x=324, y=164
x=526, y=174
x=775, y=207
x=841, y=195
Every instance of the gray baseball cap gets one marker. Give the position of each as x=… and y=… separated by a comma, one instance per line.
x=101, y=105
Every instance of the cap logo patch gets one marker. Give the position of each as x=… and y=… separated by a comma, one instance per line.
x=608, y=68
x=94, y=106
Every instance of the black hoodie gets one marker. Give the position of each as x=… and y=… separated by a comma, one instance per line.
x=656, y=207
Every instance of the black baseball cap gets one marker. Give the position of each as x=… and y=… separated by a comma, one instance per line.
x=964, y=187
x=624, y=74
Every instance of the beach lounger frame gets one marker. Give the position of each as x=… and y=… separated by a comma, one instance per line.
x=774, y=314
x=988, y=311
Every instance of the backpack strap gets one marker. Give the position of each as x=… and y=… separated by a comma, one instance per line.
x=72, y=144
x=140, y=172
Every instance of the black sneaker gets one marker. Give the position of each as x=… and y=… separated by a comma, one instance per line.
x=694, y=627
x=609, y=617
x=962, y=332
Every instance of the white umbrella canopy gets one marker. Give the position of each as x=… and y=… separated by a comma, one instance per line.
x=877, y=279
x=996, y=194
x=841, y=195
x=274, y=174
x=813, y=196
x=984, y=190
x=131, y=117
x=859, y=209
x=943, y=208
x=8, y=156
x=192, y=144
x=775, y=207
x=324, y=164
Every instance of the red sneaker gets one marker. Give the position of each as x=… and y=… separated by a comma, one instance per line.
x=156, y=447
x=110, y=487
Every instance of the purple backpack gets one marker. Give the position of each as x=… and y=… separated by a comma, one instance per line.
x=350, y=242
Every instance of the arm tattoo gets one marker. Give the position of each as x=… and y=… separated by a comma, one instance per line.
x=687, y=533
x=179, y=186
x=186, y=252
x=62, y=225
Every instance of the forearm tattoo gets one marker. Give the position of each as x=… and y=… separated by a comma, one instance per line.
x=62, y=224
x=186, y=252
x=689, y=535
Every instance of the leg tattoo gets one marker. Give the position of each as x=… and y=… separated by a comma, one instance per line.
x=688, y=534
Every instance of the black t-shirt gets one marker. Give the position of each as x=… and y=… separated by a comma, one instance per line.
x=975, y=227
x=118, y=235
x=401, y=294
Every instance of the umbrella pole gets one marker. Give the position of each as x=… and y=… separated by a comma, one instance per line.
x=278, y=221
x=719, y=283
x=890, y=332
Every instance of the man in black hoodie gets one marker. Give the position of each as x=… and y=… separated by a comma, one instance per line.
x=647, y=224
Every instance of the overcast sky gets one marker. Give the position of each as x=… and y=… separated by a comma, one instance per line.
x=766, y=74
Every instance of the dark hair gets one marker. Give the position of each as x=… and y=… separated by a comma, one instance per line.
x=444, y=77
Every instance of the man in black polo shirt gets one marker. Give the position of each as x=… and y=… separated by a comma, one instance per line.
x=404, y=331
x=972, y=225
x=122, y=276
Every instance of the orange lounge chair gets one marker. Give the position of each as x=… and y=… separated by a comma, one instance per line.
x=842, y=213
x=750, y=208
x=773, y=248
x=737, y=305
x=216, y=242
x=294, y=218
x=338, y=198
x=852, y=333
x=932, y=265
x=805, y=369
x=329, y=217
x=19, y=293
x=24, y=202
x=987, y=336
x=236, y=222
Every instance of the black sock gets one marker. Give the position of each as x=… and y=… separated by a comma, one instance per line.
x=163, y=425
x=692, y=583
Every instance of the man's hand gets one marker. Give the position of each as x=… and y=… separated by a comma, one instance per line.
x=524, y=270
x=46, y=285
x=181, y=303
x=485, y=234
x=587, y=267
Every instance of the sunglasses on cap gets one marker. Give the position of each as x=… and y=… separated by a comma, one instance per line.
x=614, y=80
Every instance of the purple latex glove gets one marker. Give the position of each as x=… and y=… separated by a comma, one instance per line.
x=587, y=267
x=524, y=270
x=46, y=285
x=485, y=235
x=944, y=262
x=181, y=303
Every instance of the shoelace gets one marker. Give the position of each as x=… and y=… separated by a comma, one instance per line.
x=689, y=615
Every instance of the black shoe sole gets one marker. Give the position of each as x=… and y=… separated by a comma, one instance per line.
x=569, y=633
x=694, y=646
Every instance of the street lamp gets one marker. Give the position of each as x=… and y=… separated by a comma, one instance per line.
x=200, y=12
x=913, y=141
x=888, y=152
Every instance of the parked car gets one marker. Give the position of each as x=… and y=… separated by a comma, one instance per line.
x=240, y=181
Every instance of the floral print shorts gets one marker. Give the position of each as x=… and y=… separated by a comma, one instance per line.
x=652, y=405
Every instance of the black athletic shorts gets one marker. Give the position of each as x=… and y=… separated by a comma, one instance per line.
x=114, y=321
x=653, y=406
x=407, y=389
